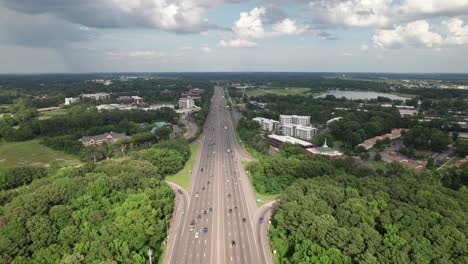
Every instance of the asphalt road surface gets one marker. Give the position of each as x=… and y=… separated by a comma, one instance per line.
x=219, y=224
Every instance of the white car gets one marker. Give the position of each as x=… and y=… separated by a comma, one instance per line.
x=196, y=195
x=196, y=234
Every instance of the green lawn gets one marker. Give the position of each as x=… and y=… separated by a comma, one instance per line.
x=31, y=153
x=182, y=178
x=50, y=114
x=279, y=91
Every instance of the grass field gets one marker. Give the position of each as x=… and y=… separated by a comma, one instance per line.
x=279, y=91
x=31, y=153
x=182, y=178
x=50, y=114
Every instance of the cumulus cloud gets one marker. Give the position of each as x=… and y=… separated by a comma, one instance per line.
x=250, y=25
x=170, y=15
x=380, y=13
x=457, y=31
x=238, y=43
x=421, y=34
x=357, y=13
x=414, y=9
x=417, y=33
x=287, y=27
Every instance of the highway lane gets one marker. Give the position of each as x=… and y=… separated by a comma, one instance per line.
x=229, y=238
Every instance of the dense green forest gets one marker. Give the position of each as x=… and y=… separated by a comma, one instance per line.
x=108, y=212
x=336, y=211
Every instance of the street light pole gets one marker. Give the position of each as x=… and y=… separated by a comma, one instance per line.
x=150, y=253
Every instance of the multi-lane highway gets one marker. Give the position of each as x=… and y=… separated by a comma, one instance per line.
x=217, y=223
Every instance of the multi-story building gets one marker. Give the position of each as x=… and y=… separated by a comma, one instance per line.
x=71, y=100
x=285, y=120
x=301, y=120
x=186, y=103
x=288, y=130
x=95, y=97
x=305, y=132
x=267, y=124
x=270, y=125
x=295, y=120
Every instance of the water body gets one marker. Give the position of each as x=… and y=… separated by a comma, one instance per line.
x=359, y=95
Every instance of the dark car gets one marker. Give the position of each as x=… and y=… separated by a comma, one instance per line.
x=260, y=220
x=208, y=182
x=211, y=209
x=203, y=188
x=233, y=242
x=244, y=220
x=204, y=212
x=199, y=216
x=229, y=195
x=193, y=222
x=205, y=230
x=230, y=210
x=201, y=169
x=179, y=191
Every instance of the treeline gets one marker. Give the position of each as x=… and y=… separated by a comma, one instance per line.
x=420, y=137
x=85, y=122
x=53, y=89
x=339, y=218
x=249, y=132
x=355, y=127
x=107, y=212
x=14, y=177
x=336, y=211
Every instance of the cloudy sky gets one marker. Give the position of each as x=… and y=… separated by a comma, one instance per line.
x=39, y=36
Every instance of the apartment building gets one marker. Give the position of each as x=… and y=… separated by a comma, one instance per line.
x=305, y=132
x=301, y=120
x=288, y=130
x=186, y=103
x=267, y=124
x=285, y=120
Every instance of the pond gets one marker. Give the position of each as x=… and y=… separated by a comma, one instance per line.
x=359, y=95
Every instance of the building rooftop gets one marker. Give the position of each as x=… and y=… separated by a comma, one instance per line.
x=325, y=150
x=291, y=140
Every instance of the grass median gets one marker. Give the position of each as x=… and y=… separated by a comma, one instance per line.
x=182, y=178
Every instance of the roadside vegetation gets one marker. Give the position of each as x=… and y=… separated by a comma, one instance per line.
x=111, y=211
x=337, y=211
x=182, y=178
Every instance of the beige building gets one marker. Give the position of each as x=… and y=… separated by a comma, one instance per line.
x=99, y=140
x=186, y=103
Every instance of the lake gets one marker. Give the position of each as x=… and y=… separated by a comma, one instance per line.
x=356, y=95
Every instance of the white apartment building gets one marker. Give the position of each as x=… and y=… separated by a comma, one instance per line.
x=270, y=125
x=71, y=100
x=267, y=124
x=301, y=120
x=295, y=120
x=285, y=120
x=305, y=132
x=288, y=130
x=186, y=103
